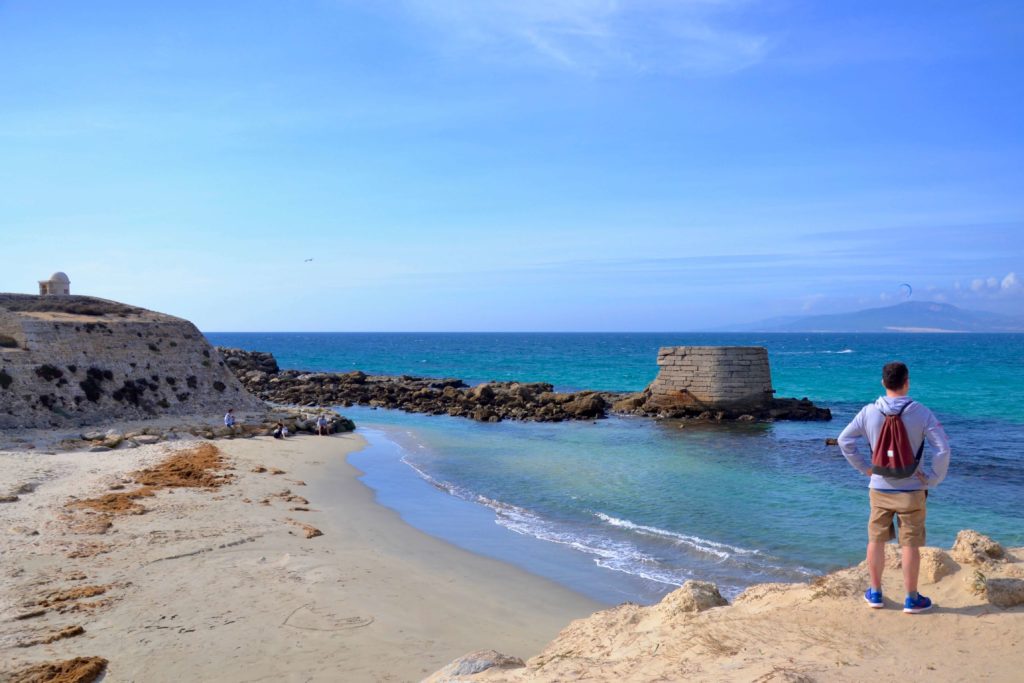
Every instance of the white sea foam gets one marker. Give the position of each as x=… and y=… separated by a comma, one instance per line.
x=811, y=353
x=619, y=555
x=445, y=486
x=608, y=553
x=721, y=550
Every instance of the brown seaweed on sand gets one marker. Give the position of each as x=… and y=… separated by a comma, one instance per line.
x=77, y=670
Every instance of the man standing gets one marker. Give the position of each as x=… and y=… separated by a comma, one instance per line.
x=903, y=497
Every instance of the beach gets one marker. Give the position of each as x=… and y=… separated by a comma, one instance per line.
x=279, y=565
x=616, y=549
x=215, y=584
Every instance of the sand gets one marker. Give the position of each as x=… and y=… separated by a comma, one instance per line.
x=251, y=576
x=801, y=633
x=263, y=560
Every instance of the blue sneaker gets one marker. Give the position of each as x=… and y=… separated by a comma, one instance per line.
x=873, y=598
x=921, y=604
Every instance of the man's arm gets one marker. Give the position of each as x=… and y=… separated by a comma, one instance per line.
x=936, y=436
x=848, y=444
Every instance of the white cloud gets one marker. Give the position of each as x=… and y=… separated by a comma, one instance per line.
x=591, y=36
x=1001, y=294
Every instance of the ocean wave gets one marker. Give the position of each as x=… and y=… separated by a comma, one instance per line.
x=812, y=353
x=720, y=550
x=611, y=554
x=447, y=487
x=620, y=554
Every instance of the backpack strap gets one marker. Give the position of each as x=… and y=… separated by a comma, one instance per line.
x=920, y=451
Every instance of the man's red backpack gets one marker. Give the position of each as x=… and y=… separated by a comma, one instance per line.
x=893, y=456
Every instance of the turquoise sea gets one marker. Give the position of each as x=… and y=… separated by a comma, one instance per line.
x=627, y=508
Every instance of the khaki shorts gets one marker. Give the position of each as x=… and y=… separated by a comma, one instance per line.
x=910, y=508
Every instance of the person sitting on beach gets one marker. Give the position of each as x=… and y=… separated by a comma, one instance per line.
x=229, y=419
x=323, y=427
x=902, y=426
x=278, y=431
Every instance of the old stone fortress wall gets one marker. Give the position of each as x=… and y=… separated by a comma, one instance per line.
x=69, y=360
x=713, y=376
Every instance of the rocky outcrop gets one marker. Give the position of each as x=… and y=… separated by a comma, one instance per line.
x=692, y=596
x=474, y=663
x=248, y=361
x=487, y=402
x=974, y=548
x=76, y=360
x=296, y=420
x=775, y=409
x=785, y=632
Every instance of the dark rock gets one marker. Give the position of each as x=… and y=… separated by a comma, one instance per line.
x=585, y=406
x=483, y=394
x=490, y=401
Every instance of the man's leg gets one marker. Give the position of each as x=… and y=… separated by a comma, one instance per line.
x=911, y=568
x=912, y=537
x=880, y=531
x=876, y=563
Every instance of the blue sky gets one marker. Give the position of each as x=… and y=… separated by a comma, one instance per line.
x=513, y=165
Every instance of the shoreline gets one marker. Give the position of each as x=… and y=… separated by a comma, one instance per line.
x=214, y=585
x=230, y=584
x=477, y=525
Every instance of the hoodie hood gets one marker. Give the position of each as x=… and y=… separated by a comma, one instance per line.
x=891, y=406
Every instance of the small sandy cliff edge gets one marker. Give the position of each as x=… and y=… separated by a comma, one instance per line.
x=817, y=631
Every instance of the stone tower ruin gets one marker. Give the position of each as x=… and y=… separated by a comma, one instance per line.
x=712, y=378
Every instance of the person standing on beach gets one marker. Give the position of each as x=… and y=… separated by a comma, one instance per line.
x=905, y=496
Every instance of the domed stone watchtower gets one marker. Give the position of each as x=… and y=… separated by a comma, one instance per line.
x=58, y=284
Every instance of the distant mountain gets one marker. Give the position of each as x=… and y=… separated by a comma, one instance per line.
x=910, y=316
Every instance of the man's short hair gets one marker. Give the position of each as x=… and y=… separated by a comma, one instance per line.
x=895, y=375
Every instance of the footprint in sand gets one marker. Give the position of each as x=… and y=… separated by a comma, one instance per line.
x=313, y=618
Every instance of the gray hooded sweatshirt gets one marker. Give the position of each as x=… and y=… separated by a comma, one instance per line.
x=921, y=424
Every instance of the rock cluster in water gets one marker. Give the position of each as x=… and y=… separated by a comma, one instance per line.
x=487, y=402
